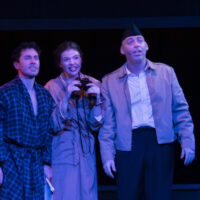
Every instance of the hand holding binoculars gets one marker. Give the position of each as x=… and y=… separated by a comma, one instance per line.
x=82, y=92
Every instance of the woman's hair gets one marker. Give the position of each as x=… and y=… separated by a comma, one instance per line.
x=63, y=47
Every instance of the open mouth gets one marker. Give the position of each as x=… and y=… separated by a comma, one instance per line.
x=73, y=69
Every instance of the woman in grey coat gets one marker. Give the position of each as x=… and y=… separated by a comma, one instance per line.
x=77, y=117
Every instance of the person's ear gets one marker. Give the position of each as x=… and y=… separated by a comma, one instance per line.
x=146, y=46
x=122, y=50
x=16, y=65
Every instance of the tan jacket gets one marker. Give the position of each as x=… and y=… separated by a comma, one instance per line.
x=169, y=106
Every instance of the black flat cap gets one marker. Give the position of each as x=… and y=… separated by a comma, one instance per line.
x=131, y=30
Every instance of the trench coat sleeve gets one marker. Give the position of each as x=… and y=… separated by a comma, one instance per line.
x=57, y=117
x=95, y=117
x=182, y=120
x=107, y=133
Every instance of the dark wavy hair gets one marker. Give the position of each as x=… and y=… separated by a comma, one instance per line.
x=65, y=46
x=22, y=46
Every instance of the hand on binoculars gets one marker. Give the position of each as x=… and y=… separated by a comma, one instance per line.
x=72, y=87
x=92, y=89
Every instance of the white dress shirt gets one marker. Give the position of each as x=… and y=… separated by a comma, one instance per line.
x=141, y=108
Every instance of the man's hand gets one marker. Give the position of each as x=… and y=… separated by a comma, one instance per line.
x=48, y=172
x=109, y=166
x=188, y=154
x=1, y=176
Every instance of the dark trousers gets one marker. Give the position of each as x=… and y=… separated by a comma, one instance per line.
x=146, y=172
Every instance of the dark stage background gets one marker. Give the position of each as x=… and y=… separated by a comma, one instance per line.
x=178, y=47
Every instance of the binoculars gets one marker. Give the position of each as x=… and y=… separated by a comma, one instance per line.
x=83, y=88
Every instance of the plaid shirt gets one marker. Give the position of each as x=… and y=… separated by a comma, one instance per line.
x=25, y=141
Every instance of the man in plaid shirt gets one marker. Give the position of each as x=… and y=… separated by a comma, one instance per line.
x=25, y=129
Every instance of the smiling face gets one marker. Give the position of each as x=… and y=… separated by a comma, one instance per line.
x=28, y=64
x=70, y=62
x=134, y=48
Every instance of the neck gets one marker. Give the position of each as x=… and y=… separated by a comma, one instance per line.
x=28, y=82
x=136, y=68
x=68, y=78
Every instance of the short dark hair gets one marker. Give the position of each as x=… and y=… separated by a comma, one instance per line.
x=65, y=46
x=22, y=46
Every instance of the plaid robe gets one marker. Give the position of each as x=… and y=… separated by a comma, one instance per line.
x=25, y=141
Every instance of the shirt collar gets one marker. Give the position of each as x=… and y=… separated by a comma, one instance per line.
x=125, y=71
x=148, y=66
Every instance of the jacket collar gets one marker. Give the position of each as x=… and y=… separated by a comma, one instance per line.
x=123, y=72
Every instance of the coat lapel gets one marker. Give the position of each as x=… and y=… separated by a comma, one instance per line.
x=26, y=99
x=150, y=77
x=123, y=77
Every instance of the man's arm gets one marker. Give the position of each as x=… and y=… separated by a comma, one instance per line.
x=182, y=120
x=47, y=149
x=108, y=131
x=2, y=145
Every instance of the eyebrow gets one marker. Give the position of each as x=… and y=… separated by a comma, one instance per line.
x=72, y=56
x=35, y=56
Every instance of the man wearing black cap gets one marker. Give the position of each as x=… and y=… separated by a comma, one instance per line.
x=144, y=108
